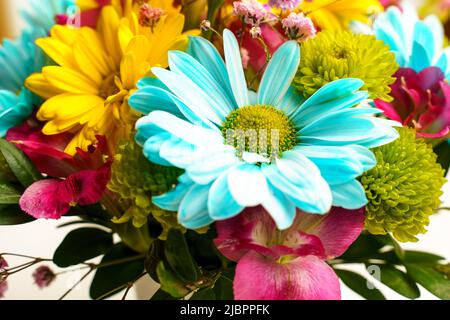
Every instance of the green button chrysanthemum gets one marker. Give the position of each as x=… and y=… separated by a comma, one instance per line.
x=404, y=188
x=136, y=180
x=334, y=55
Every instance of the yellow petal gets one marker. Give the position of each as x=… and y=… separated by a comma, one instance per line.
x=129, y=71
x=68, y=106
x=37, y=84
x=108, y=27
x=58, y=52
x=70, y=81
x=87, y=4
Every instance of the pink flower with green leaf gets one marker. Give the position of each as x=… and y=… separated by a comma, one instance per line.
x=289, y=264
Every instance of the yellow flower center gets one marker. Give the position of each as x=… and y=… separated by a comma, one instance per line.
x=109, y=86
x=262, y=129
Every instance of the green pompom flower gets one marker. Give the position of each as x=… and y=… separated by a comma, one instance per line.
x=334, y=55
x=404, y=188
x=136, y=180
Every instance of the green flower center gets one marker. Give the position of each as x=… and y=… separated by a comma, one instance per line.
x=262, y=129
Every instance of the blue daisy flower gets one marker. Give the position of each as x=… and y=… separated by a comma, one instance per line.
x=321, y=144
x=417, y=44
x=40, y=14
x=18, y=59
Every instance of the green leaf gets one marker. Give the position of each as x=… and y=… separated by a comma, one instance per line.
x=443, y=152
x=203, y=250
x=365, y=246
x=430, y=279
x=398, y=281
x=12, y=215
x=170, y=283
x=161, y=295
x=82, y=245
x=155, y=255
x=223, y=289
x=109, y=280
x=360, y=285
x=179, y=258
x=204, y=294
x=9, y=194
x=19, y=163
x=421, y=257
x=213, y=9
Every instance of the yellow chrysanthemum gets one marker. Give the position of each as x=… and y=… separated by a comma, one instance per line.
x=337, y=14
x=96, y=72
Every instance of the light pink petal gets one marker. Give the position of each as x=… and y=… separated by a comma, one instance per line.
x=337, y=230
x=305, y=278
x=46, y=199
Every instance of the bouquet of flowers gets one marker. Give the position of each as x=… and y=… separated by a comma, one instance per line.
x=229, y=149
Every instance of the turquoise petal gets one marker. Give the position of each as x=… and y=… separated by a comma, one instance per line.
x=291, y=102
x=334, y=96
x=171, y=200
x=151, y=98
x=152, y=146
x=350, y=195
x=247, y=185
x=339, y=165
x=150, y=81
x=205, y=53
x=281, y=208
x=221, y=205
x=425, y=38
x=191, y=95
x=348, y=126
x=300, y=179
x=234, y=68
x=193, y=210
x=177, y=152
x=208, y=165
x=216, y=96
x=279, y=74
x=160, y=121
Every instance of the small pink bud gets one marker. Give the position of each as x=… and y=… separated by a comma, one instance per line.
x=298, y=27
x=43, y=276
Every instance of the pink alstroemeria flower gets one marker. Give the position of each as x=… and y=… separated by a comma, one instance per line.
x=421, y=100
x=290, y=264
x=79, y=179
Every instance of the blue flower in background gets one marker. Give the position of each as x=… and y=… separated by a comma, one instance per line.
x=20, y=58
x=417, y=44
x=193, y=110
x=42, y=13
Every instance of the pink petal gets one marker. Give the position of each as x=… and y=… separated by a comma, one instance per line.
x=439, y=134
x=46, y=199
x=89, y=185
x=389, y=110
x=304, y=278
x=429, y=78
x=337, y=230
x=52, y=198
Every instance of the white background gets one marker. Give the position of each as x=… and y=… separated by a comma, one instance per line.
x=41, y=239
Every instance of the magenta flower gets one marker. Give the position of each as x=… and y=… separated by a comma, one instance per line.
x=43, y=276
x=3, y=287
x=290, y=264
x=421, y=100
x=3, y=263
x=53, y=198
